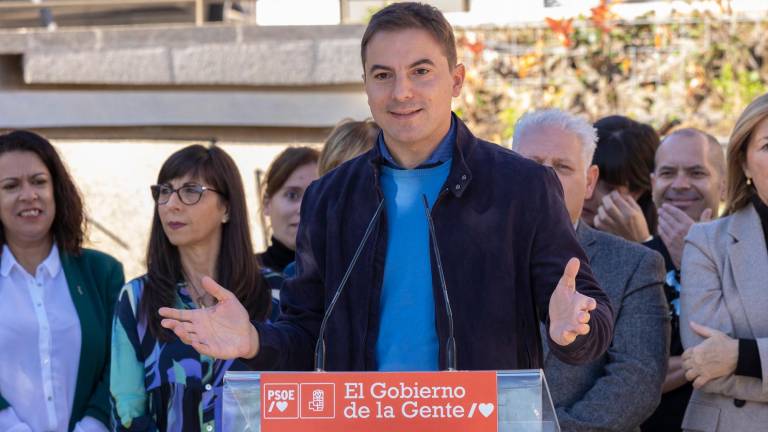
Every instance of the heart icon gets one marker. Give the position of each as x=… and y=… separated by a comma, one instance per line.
x=486, y=409
x=282, y=405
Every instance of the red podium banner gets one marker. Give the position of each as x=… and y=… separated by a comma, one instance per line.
x=387, y=401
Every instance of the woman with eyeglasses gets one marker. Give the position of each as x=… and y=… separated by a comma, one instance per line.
x=200, y=229
x=56, y=297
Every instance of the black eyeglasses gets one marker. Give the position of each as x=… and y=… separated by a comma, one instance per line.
x=188, y=194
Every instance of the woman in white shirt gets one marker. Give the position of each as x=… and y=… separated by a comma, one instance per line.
x=56, y=298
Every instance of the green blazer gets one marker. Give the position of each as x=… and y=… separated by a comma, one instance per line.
x=94, y=280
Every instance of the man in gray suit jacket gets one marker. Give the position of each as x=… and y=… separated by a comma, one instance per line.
x=622, y=388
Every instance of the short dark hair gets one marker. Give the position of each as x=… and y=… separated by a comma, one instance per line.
x=411, y=15
x=236, y=269
x=68, y=227
x=625, y=155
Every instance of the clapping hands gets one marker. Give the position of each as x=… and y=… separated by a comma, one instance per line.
x=674, y=225
x=619, y=214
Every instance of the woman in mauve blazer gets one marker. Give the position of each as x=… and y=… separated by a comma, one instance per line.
x=724, y=298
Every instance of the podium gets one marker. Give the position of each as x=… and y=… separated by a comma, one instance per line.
x=504, y=401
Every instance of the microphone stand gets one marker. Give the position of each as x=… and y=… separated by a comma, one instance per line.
x=320, y=345
x=450, y=345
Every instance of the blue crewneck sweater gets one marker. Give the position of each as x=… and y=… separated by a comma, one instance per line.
x=407, y=337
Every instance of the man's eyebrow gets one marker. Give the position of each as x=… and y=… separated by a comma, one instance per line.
x=422, y=61
x=378, y=66
x=414, y=64
x=684, y=167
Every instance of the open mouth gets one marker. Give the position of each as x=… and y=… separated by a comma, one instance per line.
x=30, y=213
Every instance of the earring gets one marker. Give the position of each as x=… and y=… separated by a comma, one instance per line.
x=749, y=181
x=225, y=219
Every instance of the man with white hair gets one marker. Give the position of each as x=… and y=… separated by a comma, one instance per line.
x=622, y=388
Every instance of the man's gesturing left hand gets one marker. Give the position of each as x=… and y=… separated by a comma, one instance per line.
x=569, y=310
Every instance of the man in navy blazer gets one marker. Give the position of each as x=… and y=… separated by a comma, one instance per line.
x=510, y=255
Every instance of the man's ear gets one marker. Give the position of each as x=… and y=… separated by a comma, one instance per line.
x=458, y=79
x=593, y=174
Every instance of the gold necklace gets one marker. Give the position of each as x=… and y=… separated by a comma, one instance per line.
x=198, y=297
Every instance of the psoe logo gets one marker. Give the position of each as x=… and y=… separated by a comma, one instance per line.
x=281, y=401
x=318, y=400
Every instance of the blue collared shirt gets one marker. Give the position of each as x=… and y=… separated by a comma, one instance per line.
x=442, y=153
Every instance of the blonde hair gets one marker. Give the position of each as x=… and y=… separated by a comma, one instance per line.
x=738, y=192
x=347, y=140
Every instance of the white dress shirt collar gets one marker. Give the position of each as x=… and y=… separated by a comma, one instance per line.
x=52, y=264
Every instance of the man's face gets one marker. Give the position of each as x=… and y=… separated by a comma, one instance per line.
x=410, y=86
x=685, y=176
x=561, y=150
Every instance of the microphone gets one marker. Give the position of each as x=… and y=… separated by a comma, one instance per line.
x=450, y=345
x=320, y=345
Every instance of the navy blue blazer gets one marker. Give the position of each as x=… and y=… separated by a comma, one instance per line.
x=504, y=236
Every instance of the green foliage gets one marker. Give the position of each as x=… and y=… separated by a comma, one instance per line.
x=697, y=70
x=508, y=118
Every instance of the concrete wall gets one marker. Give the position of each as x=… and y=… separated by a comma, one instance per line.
x=118, y=101
x=217, y=55
x=181, y=75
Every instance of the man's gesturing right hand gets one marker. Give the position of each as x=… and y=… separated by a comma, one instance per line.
x=223, y=331
x=569, y=310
